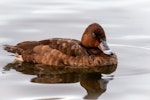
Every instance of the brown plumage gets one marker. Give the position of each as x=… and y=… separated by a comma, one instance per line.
x=92, y=51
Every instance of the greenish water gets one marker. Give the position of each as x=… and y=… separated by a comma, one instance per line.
x=126, y=23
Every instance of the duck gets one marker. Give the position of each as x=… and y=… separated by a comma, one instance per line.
x=91, y=51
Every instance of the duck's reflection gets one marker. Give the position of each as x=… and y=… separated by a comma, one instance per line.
x=91, y=82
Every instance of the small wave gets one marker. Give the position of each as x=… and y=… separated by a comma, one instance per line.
x=131, y=46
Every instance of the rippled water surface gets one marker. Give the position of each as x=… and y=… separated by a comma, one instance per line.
x=126, y=23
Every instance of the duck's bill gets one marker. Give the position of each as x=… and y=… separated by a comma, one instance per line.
x=105, y=48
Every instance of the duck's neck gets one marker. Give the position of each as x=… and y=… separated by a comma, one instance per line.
x=96, y=48
x=93, y=50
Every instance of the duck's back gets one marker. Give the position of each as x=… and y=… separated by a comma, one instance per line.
x=70, y=47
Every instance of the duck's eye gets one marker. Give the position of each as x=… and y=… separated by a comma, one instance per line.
x=93, y=35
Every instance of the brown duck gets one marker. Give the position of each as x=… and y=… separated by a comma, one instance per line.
x=91, y=51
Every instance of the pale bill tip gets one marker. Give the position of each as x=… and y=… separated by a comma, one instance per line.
x=108, y=52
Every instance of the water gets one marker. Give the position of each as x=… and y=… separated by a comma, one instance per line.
x=126, y=23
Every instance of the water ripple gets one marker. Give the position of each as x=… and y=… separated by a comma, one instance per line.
x=132, y=46
x=133, y=60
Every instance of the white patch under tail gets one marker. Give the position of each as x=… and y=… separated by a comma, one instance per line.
x=18, y=57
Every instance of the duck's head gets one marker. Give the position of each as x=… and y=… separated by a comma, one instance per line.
x=94, y=36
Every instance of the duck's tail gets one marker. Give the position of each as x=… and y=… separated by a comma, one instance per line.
x=12, y=49
x=15, y=50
